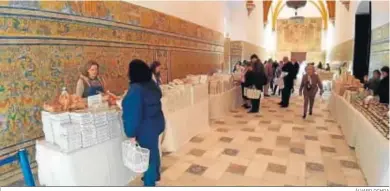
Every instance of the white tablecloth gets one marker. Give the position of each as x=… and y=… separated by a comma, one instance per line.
x=184, y=124
x=372, y=149
x=222, y=103
x=339, y=108
x=99, y=165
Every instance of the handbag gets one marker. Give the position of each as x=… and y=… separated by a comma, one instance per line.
x=252, y=93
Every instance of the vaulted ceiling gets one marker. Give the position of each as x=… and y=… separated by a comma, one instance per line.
x=326, y=8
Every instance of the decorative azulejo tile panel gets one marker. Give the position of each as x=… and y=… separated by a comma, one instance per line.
x=44, y=44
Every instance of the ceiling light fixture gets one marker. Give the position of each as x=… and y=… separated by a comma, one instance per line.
x=296, y=4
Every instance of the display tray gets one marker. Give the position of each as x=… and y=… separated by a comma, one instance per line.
x=376, y=113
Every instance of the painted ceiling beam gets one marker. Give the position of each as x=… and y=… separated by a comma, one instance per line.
x=346, y=3
x=266, y=8
x=331, y=4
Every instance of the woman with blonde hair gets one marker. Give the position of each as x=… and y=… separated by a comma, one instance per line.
x=89, y=83
x=309, y=87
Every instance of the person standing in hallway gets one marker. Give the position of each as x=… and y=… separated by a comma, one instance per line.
x=383, y=89
x=278, y=80
x=288, y=69
x=244, y=70
x=309, y=87
x=255, y=77
x=270, y=75
x=156, y=75
x=296, y=71
x=320, y=66
x=327, y=68
x=274, y=67
x=143, y=118
x=237, y=67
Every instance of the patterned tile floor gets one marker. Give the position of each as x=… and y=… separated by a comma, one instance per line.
x=273, y=148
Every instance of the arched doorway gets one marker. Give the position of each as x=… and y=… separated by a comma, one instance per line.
x=361, y=56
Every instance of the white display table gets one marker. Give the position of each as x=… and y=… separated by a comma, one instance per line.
x=372, y=149
x=339, y=108
x=221, y=104
x=184, y=124
x=99, y=165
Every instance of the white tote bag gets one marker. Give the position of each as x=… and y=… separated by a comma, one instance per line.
x=135, y=157
x=252, y=93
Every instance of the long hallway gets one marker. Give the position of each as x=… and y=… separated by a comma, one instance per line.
x=273, y=148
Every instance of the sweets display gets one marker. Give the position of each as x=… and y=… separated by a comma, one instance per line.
x=220, y=83
x=75, y=130
x=176, y=95
x=66, y=102
x=346, y=82
x=70, y=124
x=181, y=93
x=375, y=112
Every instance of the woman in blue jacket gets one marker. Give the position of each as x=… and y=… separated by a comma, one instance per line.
x=143, y=118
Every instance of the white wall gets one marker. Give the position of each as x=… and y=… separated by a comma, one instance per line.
x=255, y=25
x=244, y=27
x=380, y=13
x=344, y=28
x=227, y=20
x=238, y=20
x=209, y=14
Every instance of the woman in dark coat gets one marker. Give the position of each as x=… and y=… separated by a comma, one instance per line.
x=143, y=118
x=255, y=77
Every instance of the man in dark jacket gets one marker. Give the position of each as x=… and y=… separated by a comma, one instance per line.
x=296, y=71
x=383, y=89
x=288, y=67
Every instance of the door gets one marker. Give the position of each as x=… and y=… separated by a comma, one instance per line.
x=298, y=56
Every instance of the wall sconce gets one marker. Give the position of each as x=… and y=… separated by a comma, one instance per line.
x=250, y=6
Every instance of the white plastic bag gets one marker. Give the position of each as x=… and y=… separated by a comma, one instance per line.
x=252, y=93
x=135, y=157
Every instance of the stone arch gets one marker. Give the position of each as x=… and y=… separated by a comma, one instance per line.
x=319, y=4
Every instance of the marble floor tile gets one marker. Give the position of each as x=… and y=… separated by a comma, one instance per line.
x=230, y=179
x=215, y=171
x=196, y=169
x=236, y=169
x=256, y=169
x=266, y=150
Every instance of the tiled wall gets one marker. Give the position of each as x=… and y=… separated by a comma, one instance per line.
x=241, y=50
x=249, y=49
x=236, y=52
x=44, y=43
x=227, y=66
x=379, y=55
x=342, y=52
